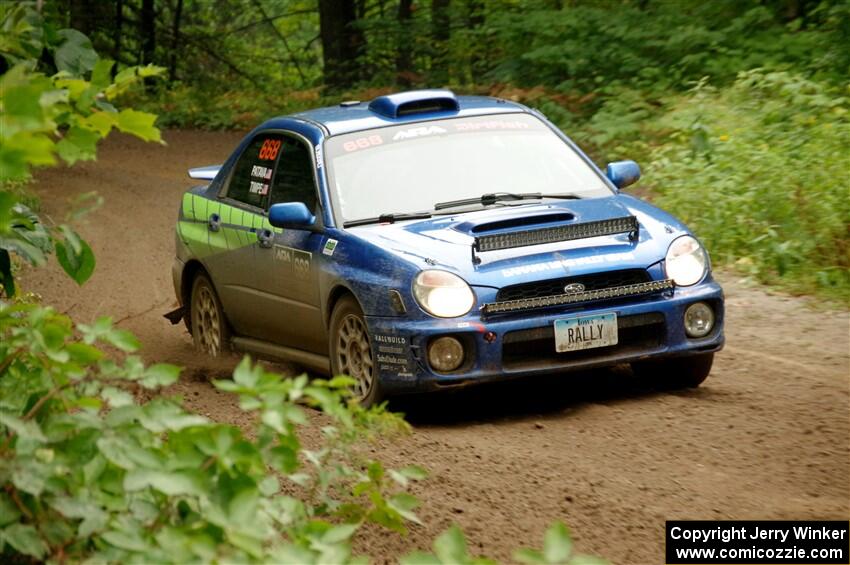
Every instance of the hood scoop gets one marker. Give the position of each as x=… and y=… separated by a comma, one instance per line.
x=522, y=222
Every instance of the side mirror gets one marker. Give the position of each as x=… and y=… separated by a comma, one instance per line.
x=623, y=173
x=291, y=215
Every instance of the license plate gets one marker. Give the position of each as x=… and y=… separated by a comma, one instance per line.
x=585, y=332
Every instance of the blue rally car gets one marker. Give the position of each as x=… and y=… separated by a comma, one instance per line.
x=424, y=240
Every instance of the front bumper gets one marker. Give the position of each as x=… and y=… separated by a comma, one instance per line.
x=514, y=345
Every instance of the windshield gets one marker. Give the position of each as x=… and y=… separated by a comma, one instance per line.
x=411, y=167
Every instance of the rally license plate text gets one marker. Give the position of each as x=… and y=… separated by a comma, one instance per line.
x=585, y=332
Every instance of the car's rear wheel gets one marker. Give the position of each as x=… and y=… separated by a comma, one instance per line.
x=676, y=373
x=209, y=327
x=351, y=351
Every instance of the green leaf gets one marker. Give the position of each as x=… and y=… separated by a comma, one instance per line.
x=125, y=540
x=101, y=122
x=247, y=375
x=169, y=483
x=26, y=540
x=92, y=523
x=8, y=511
x=75, y=54
x=116, y=397
x=122, y=339
x=243, y=506
x=30, y=478
x=414, y=472
x=420, y=558
x=79, y=144
x=269, y=486
x=338, y=534
x=529, y=556
x=25, y=429
x=159, y=416
x=83, y=353
x=557, y=544
x=101, y=75
x=75, y=256
x=283, y=458
x=450, y=546
x=404, y=503
x=159, y=375
x=140, y=124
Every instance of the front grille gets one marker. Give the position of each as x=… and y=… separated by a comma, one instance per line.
x=613, y=293
x=551, y=287
x=535, y=348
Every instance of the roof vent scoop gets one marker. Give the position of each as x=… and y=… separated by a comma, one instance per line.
x=415, y=102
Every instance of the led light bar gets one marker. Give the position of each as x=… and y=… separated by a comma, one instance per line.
x=575, y=297
x=626, y=224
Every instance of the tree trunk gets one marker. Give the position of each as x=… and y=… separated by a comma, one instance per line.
x=441, y=33
x=81, y=13
x=404, y=52
x=474, y=20
x=175, y=41
x=147, y=31
x=116, y=31
x=342, y=42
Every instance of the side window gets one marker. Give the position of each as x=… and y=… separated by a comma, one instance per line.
x=293, y=180
x=252, y=174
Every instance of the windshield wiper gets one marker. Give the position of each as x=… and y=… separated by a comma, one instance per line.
x=388, y=219
x=493, y=197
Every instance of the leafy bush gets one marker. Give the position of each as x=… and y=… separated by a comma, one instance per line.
x=759, y=170
x=656, y=46
x=89, y=472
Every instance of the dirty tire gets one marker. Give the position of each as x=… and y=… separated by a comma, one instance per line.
x=209, y=327
x=351, y=352
x=676, y=373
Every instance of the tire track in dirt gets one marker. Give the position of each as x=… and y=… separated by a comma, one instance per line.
x=767, y=436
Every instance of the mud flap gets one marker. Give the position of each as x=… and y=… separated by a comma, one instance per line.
x=175, y=315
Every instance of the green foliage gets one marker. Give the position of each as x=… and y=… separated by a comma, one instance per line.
x=759, y=170
x=88, y=472
x=557, y=549
x=658, y=45
x=43, y=117
x=450, y=548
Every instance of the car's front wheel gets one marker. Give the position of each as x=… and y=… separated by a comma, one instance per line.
x=209, y=327
x=676, y=373
x=351, y=351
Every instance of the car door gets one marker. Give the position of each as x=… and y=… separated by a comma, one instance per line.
x=287, y=264
x=236, y=223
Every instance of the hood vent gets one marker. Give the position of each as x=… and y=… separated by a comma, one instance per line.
x=523, y=222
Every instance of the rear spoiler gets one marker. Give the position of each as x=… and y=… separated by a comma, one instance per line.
x=204, y=173
x=510, y=240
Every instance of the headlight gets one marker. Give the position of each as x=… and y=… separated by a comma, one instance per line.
x=442, y=294
x=686, y=261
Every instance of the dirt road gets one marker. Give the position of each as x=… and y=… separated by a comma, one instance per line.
x=767, y=436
